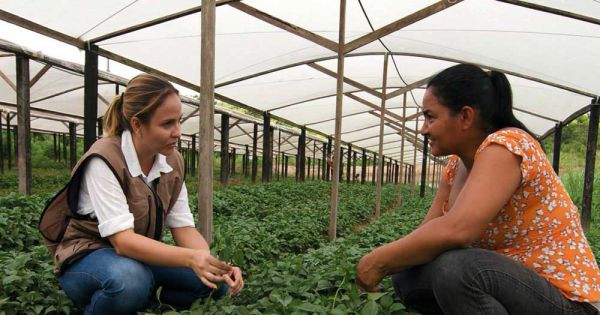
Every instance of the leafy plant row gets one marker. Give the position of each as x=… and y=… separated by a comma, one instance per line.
x=253, y=224
x=321, y=281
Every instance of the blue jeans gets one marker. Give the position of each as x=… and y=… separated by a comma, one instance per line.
x=478, y=281
x=107, y=283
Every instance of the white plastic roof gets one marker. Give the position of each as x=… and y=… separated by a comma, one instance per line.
x=551, y=59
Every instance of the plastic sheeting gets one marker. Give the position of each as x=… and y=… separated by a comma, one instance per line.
x=552, y=60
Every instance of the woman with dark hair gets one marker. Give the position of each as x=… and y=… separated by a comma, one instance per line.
x=502, y=235
x=104, y=228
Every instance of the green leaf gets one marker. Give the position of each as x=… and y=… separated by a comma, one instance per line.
x=311, y=308
x=370, y=308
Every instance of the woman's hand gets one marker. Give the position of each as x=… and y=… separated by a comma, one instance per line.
x=234, y=280
x=208, y=268
x=368, y=273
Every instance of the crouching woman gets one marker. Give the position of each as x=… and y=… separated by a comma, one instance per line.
x=104, y=228
x=502, y=235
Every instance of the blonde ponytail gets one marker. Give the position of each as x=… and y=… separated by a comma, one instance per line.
x=114, y=120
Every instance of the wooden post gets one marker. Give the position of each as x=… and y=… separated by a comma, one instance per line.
x=100, y=125
x=314, y=158
x=349, y=163
x=324, y=161
x=433, y=174
x=233, y=161
x=73, y=144
x=286, y=158
x=329, y=165
x=401, y=169
x=338, y=122
x=363, y=167
x=278, y=160
x=64, y=148
x=16, y=142
x=23, y=124
x=90, y=97
x=341, y=164
x=374, y=173
x=254, y=155
x=267, y=162
x=8, y=141
x=2, y=145
x=319, y=168
x=354, y=167
x=302, y=154
x=194, y=163
x=224, y=150
x=381, y=126
x=590, y=161
x=424, y=167
x=206, y=122
x=246, y=161
x=414, y=165
x=557, y=143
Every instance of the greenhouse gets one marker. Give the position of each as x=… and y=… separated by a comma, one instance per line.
x=319, y=100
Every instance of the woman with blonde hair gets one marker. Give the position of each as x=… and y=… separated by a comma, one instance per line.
x=104, y=228
x=502, y=235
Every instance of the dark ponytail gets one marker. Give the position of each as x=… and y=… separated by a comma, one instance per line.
x=487, y=92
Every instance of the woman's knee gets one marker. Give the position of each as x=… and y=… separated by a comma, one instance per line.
x=130, y=283
x=456, y=269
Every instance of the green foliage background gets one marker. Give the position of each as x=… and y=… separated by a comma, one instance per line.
x=276, y=232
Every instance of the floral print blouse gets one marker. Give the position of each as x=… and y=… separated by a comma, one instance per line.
x=539, y=226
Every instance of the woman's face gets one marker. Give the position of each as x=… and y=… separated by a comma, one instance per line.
x=442, y=127
x=161, y=133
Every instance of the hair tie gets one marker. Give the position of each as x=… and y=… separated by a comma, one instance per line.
x=121, y=97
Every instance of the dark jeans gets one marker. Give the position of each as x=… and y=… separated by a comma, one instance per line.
x=477, y=281
x=107, y=283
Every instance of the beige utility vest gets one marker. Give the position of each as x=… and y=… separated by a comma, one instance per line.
x=70, y=236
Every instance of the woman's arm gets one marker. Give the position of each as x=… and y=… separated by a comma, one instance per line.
x=494, y=178
x=209, y=269
x=189, y=237
x=441, y=196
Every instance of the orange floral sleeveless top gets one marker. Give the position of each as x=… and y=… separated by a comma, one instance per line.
x=539, y=226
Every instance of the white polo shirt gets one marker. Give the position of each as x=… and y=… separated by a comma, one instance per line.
x=101, y=195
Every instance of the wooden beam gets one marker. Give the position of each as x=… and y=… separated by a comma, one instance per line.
x=36, y=110
x=399, y=24
x=39, y=75
x=348, y=81
x=409, y=87
x=24, y=125
x=38, y=28
x=291, y=28
x=156, y=21
x=375, y=107
x=8, y=81
x=206, y=121
x=102, y=99
x=555, y=11
x=536, y=115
